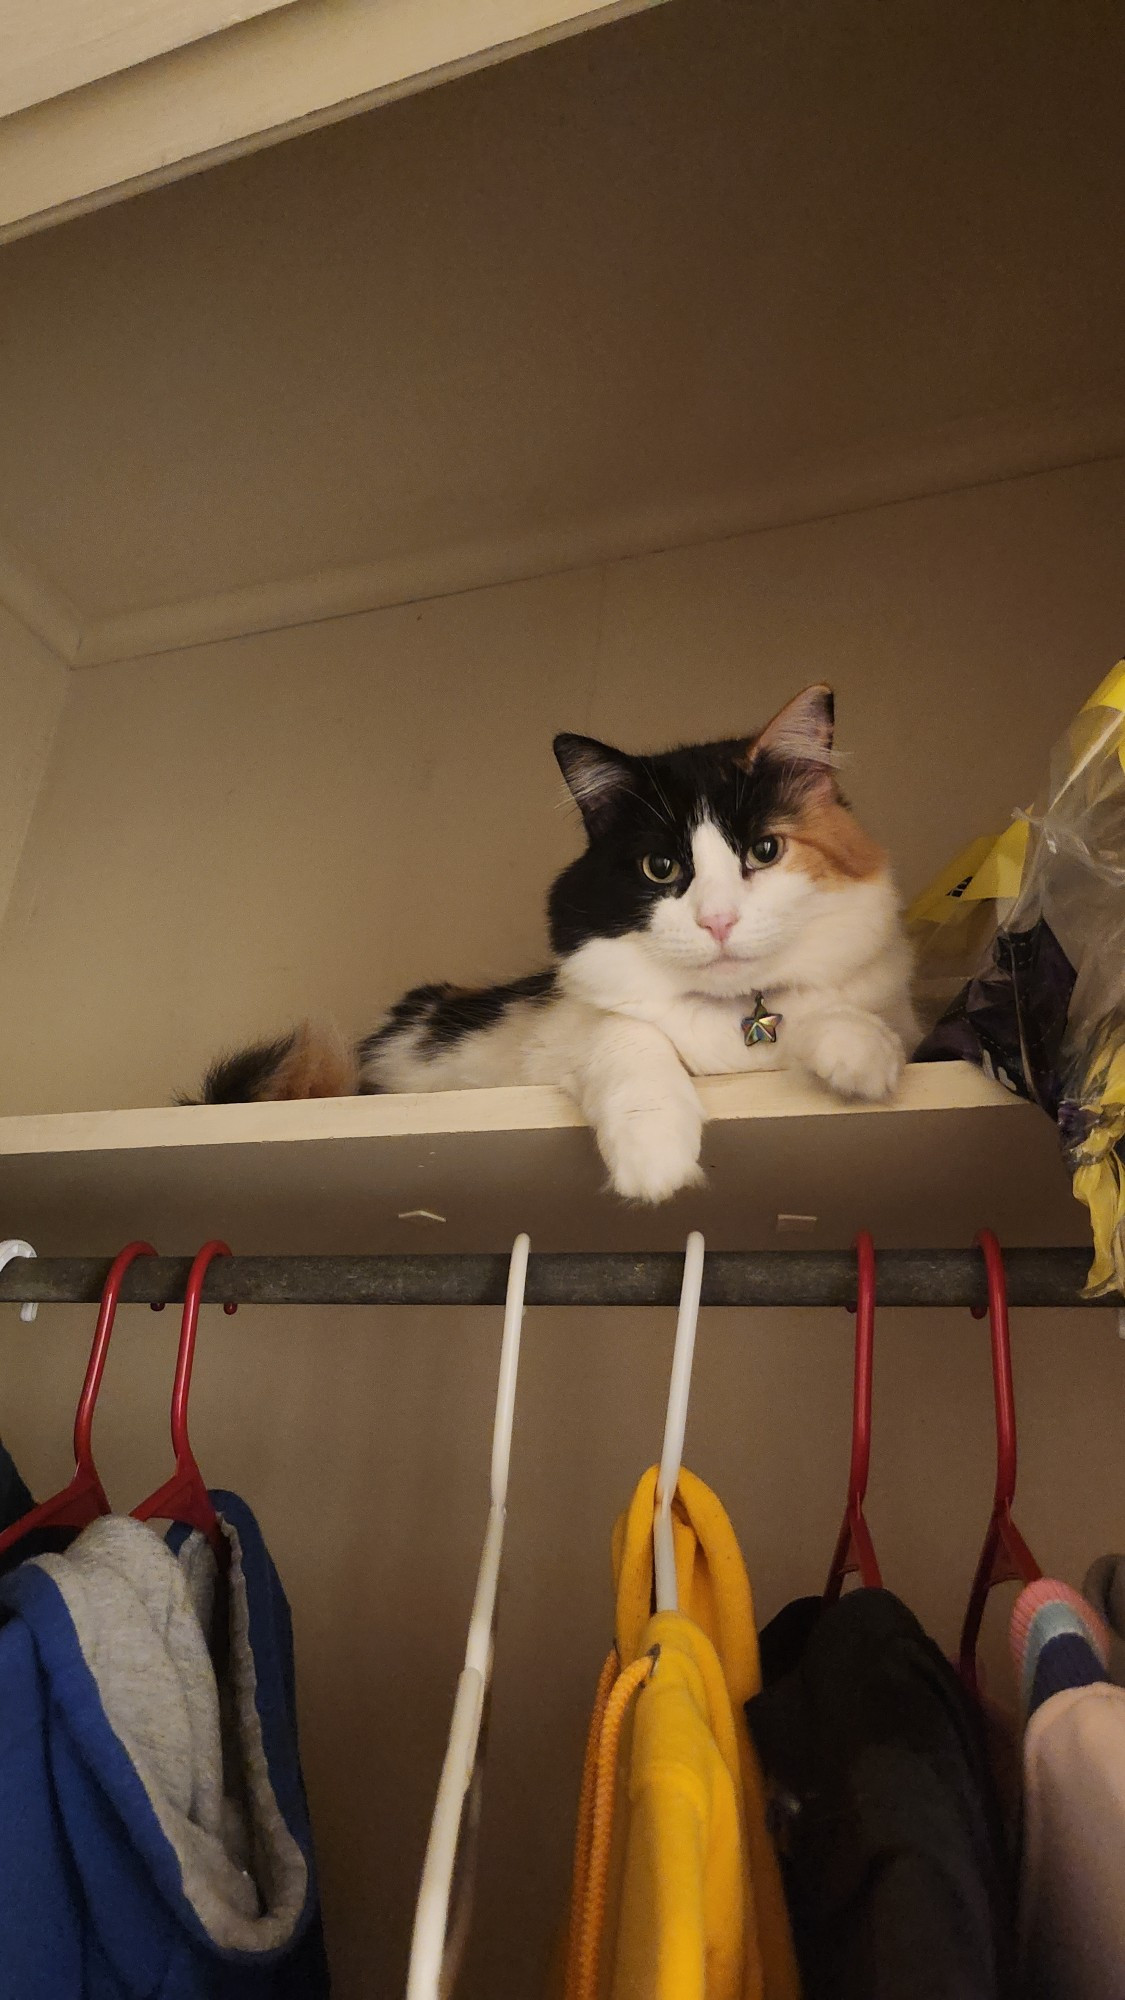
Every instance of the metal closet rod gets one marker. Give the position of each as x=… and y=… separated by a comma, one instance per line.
x=567, y=1278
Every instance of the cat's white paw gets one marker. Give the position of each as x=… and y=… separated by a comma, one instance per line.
x=653, y=1154
x=856, y=1055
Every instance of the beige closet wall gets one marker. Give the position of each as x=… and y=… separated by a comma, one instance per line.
x=33, y=688
x=314, y=818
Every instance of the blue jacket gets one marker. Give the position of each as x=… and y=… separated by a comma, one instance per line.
x=154, y=1835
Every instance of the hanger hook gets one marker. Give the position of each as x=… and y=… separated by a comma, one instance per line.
x=11, y=1247
x=185, y=1353
x=1005, y=1556
x=854, y=1550
x=1002, y=1387
x=509, y=1364
x=675, y=1424
x=95, y=1367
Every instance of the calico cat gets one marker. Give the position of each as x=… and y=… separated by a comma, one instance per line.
x=728, y=914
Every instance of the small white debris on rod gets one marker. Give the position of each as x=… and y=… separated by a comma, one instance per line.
x=797, y=1221
x=419, y=1215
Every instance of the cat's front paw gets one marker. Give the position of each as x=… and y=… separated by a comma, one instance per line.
x=856, y=1055
x=653, y=1154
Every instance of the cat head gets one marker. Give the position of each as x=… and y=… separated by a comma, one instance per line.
x=713, y=859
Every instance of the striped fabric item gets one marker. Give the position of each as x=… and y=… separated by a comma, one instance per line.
x=1058, y=1641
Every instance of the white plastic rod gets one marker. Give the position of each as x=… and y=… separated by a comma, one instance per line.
x=14, y=1246
x=431, y=1915
x=675, y=1424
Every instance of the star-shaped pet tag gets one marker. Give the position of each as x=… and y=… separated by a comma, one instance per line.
x=761, y=1025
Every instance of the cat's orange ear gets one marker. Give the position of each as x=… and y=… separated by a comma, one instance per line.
x=596, y=775
x=801, y=732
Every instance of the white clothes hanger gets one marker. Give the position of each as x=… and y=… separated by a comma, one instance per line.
x=675, y=1423
x=14, y=1246
x=431, y=1915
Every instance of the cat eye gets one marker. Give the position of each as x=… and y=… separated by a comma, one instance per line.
x=762, y=853
x=661, y=868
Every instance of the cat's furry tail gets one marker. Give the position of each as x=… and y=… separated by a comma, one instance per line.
x=313, y=1061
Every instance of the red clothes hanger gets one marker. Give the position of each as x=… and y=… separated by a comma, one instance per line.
x=84, y=1498
x=1005, y=1556
x=854, y=1553
x=184, y=1497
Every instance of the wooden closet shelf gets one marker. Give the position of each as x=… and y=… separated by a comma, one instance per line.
x=463, y=1170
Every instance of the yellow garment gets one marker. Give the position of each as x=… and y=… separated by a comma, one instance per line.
x=676, y=1892
x=1096, y=1163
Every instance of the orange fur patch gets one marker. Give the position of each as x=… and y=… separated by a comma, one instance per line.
x=319, y=1064
x=832, y=847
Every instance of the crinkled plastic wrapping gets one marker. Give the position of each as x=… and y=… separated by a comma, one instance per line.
x=1021, y=962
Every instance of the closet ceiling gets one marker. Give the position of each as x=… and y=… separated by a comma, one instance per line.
x=722, y=265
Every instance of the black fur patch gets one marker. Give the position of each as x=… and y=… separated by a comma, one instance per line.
x=419, y=1001
x=653, y=805
x=452, y=1012
x=244, y=1077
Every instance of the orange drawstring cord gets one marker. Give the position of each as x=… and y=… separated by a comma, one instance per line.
x=584, y=1829
x=595, y=1823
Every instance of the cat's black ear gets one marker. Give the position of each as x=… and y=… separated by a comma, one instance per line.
x=801, y=731
x=597, y=776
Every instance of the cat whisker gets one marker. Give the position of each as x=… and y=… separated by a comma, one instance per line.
x=658, y=788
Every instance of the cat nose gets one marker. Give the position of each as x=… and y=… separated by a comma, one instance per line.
x=720, y=925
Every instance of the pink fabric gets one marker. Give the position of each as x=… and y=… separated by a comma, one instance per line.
x=1048, y=1590
x=1072, y=1902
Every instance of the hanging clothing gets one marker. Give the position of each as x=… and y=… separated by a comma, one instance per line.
x=154, y=1837
x=1072, y=1898
x=673, y=1926
x=15, y=1500
x=892, y=1842
x=1057, y=1641
x=1104, y=1587
x=677, y=1893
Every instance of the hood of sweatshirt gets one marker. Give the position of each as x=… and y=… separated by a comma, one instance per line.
x=172, y=1685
